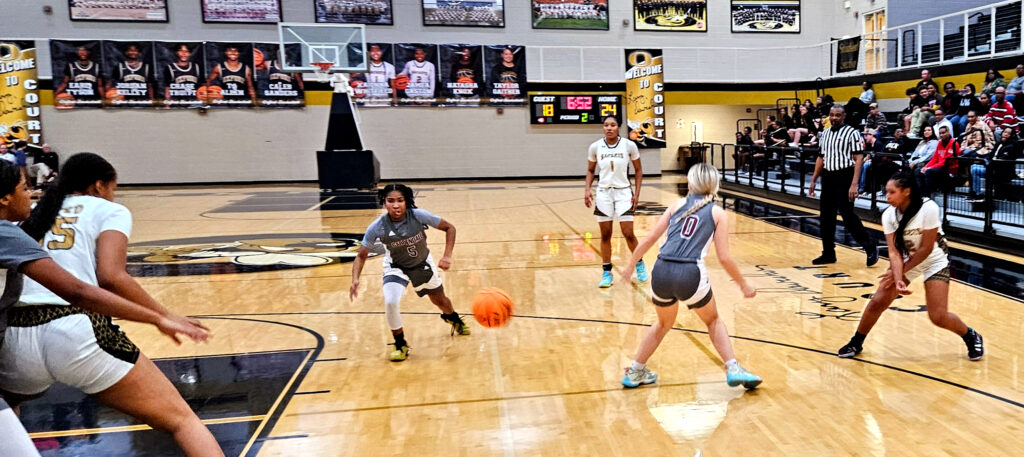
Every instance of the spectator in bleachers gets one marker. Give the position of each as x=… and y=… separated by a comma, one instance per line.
x=993, y=80
x=942, y=167
x=967, y=102
x=5, y=154
x=762, y=135
x=825, y=103
x=44, y=167
x=20, y=152
x=1002, y=173
x=1001, y=114
x=923, y=115
x=803, y=126
x=914, y=104
x=743, y=143
x=871, y=146
x=811, y=109
x=1015, y=87
x=779, y=135
x=868, y=94
x=784, y=119
x=875, y=120
x=926, y=79
x=940, y=119
x=977, y=139
x=950, y=99
x=898, y=144
x=924, y=150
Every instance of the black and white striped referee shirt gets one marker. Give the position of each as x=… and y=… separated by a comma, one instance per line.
x=837, y=147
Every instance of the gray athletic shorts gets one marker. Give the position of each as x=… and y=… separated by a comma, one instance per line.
x=684, y=282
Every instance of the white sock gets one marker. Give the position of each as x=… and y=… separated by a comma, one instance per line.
x=731, y=363
x=637, y=365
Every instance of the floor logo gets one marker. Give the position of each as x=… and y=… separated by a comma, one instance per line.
x=241, y=253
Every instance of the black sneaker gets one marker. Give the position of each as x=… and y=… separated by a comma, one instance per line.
x=849, y=350
x=975, y=347
x=872, y=255
x=823, y=259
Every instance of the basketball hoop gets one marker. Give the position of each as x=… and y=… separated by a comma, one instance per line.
x=323, y=70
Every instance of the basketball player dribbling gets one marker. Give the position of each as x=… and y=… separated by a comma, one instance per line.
x=680, y=276
x=615, y=197
x=407, y=259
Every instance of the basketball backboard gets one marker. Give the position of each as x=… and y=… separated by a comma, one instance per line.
x=324, y=43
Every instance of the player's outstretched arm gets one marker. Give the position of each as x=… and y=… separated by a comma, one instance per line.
x=449, y=244
x=722, y=251
x=357, y=269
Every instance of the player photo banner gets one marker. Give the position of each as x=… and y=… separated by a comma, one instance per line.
x=847, y=55
x=670, y=15
x=77, y=74
x=462, y=74
x=471, y=13
x=129, y=77
x=506, y=79
x=277, y=88
x=229, y=80
x=20, y=116
x=180, y=74
x=375, y=88
x=570, y=14
x=242, y=11
x=416, y=81
x=779, y=16
x=377, y=12
x=118, y=10
x=645, y=97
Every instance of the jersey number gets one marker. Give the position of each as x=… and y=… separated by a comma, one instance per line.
x=412, y=251
x=689, y=226
x=62, y=227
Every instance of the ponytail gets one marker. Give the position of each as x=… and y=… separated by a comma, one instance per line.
x=78, y=173
x=709, y=198
x=906, y=180
x=702, y=179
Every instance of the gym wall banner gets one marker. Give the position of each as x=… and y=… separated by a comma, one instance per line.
x=130, y=75
x=506, y=82
x=229, y=75
x=276, y=88
x=19, y=99
x=645, y=98
x=416, y=82
x=77, y=74
x=847, y=54
x=462, y=74
x=373, y=88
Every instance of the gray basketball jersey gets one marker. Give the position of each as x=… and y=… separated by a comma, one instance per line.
x=689, y=238
x=406, y=240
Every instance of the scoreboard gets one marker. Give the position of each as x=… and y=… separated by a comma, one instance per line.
x=573, y=109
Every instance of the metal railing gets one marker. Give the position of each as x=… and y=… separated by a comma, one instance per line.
x=998, y=200
x=977, y=33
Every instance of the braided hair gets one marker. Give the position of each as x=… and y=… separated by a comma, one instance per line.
x=410, y=200
x=78, y=173
x=702, y=179
x=906, y=180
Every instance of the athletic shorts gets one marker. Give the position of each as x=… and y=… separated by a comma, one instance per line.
x=935, y=271
x=611, y=203
x=685, y=282
x=44, y=344
x=424, y=277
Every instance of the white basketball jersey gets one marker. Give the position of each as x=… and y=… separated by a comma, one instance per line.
x=72, y=241
x=377, y=79
x=613, y=162
x=421, y=78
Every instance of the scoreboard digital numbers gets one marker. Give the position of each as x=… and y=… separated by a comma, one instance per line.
x=573, y=109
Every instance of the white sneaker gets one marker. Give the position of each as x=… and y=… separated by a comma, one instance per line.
x=636, y=378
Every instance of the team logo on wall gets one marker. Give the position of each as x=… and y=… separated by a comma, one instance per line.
x=670, y=15
x=241, y=253
x=782, y=16
x=19, y=118
x=645, y=97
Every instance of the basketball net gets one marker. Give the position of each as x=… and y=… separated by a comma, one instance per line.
x=339, y=81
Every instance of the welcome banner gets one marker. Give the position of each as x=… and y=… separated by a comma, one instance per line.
x=645, y=97
x=19, y=99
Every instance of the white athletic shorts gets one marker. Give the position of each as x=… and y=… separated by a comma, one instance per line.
x=930, y=271
x=424, y=277
x=611, y=203
x=82, y=350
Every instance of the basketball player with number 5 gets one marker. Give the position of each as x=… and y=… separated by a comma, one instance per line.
x=679, y=275
x=403, y=233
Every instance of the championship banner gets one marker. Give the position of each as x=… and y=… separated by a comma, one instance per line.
x=130, y=77
x=462, y=75
x=506, y=80
x=847, y=54
x=77, y=74
x=180, y=74
x=645, y=98
x=19, y=118
x=229, y=80
x=275, y=87
x=416, y=82
x=373, y=88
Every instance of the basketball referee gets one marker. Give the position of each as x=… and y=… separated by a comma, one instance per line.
x=841, y=156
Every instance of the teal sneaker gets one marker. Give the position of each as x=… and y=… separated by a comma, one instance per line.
x=606, y=280
x=637, y=378
x=737, y=375
x=641, y=272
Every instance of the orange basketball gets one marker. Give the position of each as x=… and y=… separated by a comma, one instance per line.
x=465, y=80
x=401, y=82
x=201, y=93
x=113, y=95
x=64, y=101
x=257, y=57
x=492, y=307
x=214, y=92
